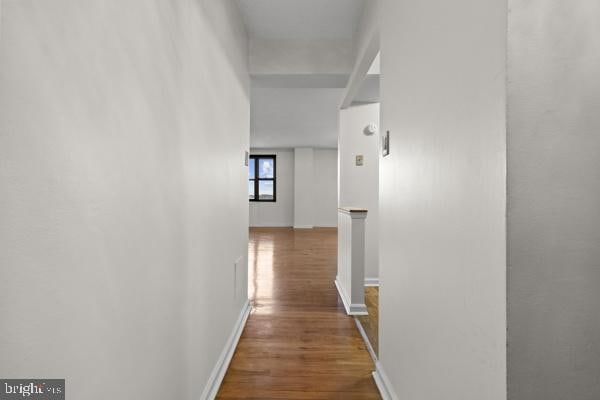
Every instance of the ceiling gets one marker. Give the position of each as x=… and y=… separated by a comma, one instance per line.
x=301, y=19
x=368, y=91
x=290, y=109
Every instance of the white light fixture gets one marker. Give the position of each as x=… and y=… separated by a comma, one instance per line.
x=370, y=129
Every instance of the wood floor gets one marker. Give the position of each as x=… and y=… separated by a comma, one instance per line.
x=298, y=343
x=370, y=323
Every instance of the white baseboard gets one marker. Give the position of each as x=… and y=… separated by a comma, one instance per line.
x=372, y=282
x=351, y=309
x=366, y=340
x=218, y=373
x=383, y=383
x=303, y=226
x=270, y=225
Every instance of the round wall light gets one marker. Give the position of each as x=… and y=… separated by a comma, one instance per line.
x=370, y=129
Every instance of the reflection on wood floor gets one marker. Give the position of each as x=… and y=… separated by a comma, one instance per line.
x=370, y=323
x=298, y=342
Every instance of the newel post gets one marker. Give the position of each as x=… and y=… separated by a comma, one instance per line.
x=350, y=280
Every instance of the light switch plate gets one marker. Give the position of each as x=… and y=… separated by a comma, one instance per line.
x=360, y=160
x=247, y=156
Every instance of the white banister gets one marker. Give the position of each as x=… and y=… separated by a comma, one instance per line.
x=350, y=280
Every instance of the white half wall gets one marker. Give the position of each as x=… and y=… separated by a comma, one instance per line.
x=123, y=193
x=359, y=185
x=443, y=199
x=281, y=212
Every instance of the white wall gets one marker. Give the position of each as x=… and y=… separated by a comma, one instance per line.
x=554, y=200
x=280, y=212
x=325, y=187
x=300, y=56
x=304, y=190
x=294, y=117
x=366, y=49
x=443, y=199
x=316, y=191
x=118, y=237
x=368, y=28
x=359, y=185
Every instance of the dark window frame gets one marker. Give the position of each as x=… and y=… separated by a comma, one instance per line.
x=256, y=179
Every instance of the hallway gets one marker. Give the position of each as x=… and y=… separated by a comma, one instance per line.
x=256, y=199
x=298, y=341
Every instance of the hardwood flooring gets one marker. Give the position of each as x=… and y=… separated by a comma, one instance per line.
x=370, y=323
x=298, y=342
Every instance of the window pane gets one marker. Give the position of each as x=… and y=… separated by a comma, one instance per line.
x=266, y=167
x=251, y=189
x=265, y=190
x=251, y=165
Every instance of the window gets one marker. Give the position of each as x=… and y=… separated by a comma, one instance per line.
x=262, y=180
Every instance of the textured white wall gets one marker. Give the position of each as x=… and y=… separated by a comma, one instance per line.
x=443, y=199
x=281, y=212
x=325, y=199
x=368, y=27
x=304, y=216
x=123, y=125
x=359, y=185
x=294, y=117
x=554, y=200
x=320, y=193
x=300, y=56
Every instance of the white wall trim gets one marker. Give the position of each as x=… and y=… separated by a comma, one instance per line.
x=366, y=340
x=303, y=227
x=270, y=225
x=383, y=383
x=351, y=309
x=218, y=373
x=374, y=282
